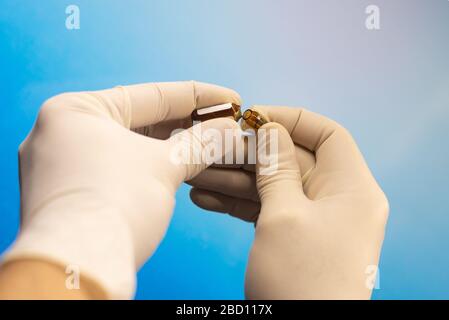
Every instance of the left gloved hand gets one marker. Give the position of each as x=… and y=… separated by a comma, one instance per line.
x=99, y=196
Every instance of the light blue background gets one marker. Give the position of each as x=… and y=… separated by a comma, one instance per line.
x=389, y=87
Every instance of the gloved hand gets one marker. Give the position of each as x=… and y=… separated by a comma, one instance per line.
x=316, y=237
x=231, y=188
x=99, y=196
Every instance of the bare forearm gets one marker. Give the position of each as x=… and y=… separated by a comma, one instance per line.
x=37, y=279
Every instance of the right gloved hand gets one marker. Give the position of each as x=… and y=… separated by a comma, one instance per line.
x=318, y=237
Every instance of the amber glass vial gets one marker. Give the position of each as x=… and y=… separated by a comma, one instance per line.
x=253, y=119
x=219, y=111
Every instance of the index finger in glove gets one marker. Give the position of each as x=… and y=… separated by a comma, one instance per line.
x=152, y=103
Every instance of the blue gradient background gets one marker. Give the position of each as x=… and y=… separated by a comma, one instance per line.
x=389, y=87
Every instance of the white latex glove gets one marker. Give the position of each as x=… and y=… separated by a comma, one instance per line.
x=318, y=237
x=99, y=196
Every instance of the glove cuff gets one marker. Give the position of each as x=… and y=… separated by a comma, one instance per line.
x=95, y=240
